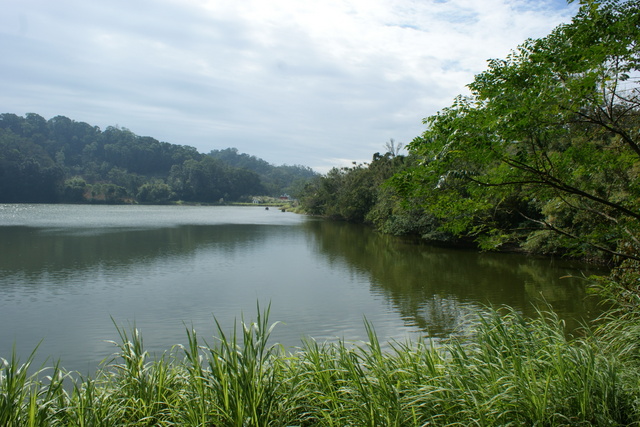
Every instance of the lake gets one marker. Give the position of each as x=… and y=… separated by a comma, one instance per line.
x=69, y=272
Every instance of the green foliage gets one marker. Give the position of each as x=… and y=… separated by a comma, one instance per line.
x=74, y=190
x=355, y=194
x=27, y=173
x=505, y=370
x=548, y=141
x=67, y=161
x=364, y=194
x=210, y=179
x=277, y=180
x=156, y=192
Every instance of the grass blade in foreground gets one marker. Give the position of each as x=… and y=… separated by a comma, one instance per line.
x=508, y=371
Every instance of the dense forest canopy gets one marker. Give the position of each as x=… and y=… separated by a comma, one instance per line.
x=547, y=143
x=543, y=155
x=61, y=160
x=283, y=179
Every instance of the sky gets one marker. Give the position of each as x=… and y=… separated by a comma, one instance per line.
x=318, y=83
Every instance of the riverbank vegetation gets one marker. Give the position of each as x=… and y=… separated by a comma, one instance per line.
x=542, y=156
x=61, y=160
x=505, y=370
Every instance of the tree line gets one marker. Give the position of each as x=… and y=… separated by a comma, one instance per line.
x=61, y=160
x=542, y=156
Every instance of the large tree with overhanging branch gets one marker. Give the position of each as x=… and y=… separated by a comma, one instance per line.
x=547, y=145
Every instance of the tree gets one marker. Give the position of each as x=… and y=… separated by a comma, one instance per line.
x=64, y=160
x=27, y=174
x=548, y=140
x=74, y=190
x=359, y=194
x=154, y=192
x=392, y=147
x=276, y=180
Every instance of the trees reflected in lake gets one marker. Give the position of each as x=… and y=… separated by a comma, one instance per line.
x=433, y=287
x=74, y=268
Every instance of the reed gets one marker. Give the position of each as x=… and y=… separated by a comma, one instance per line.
x=507, y=370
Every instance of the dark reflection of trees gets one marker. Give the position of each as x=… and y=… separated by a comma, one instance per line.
x=431, y=288
x=34, y=252
x=434, y=288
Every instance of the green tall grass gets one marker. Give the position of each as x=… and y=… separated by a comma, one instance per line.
x=507, y=370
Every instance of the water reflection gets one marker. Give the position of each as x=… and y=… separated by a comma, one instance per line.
x=434, y=288
x=431, y=288
x=65, y=276
x=38, y=255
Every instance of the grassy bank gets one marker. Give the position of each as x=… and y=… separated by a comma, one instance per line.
x=508, y=371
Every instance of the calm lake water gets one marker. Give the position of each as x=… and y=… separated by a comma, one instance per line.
x=68, y=272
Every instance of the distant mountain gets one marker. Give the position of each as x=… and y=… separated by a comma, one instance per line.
x=61, y=160
x=277, y=179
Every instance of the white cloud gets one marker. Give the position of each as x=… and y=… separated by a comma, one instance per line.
x=289, y=81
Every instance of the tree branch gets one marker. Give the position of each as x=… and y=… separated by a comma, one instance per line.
x=551, y=181
x=574, y=237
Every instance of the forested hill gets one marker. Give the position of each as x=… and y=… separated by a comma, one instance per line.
x=281, y=179
x=62, y=160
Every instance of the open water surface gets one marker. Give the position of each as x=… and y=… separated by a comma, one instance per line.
x=69, y=272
